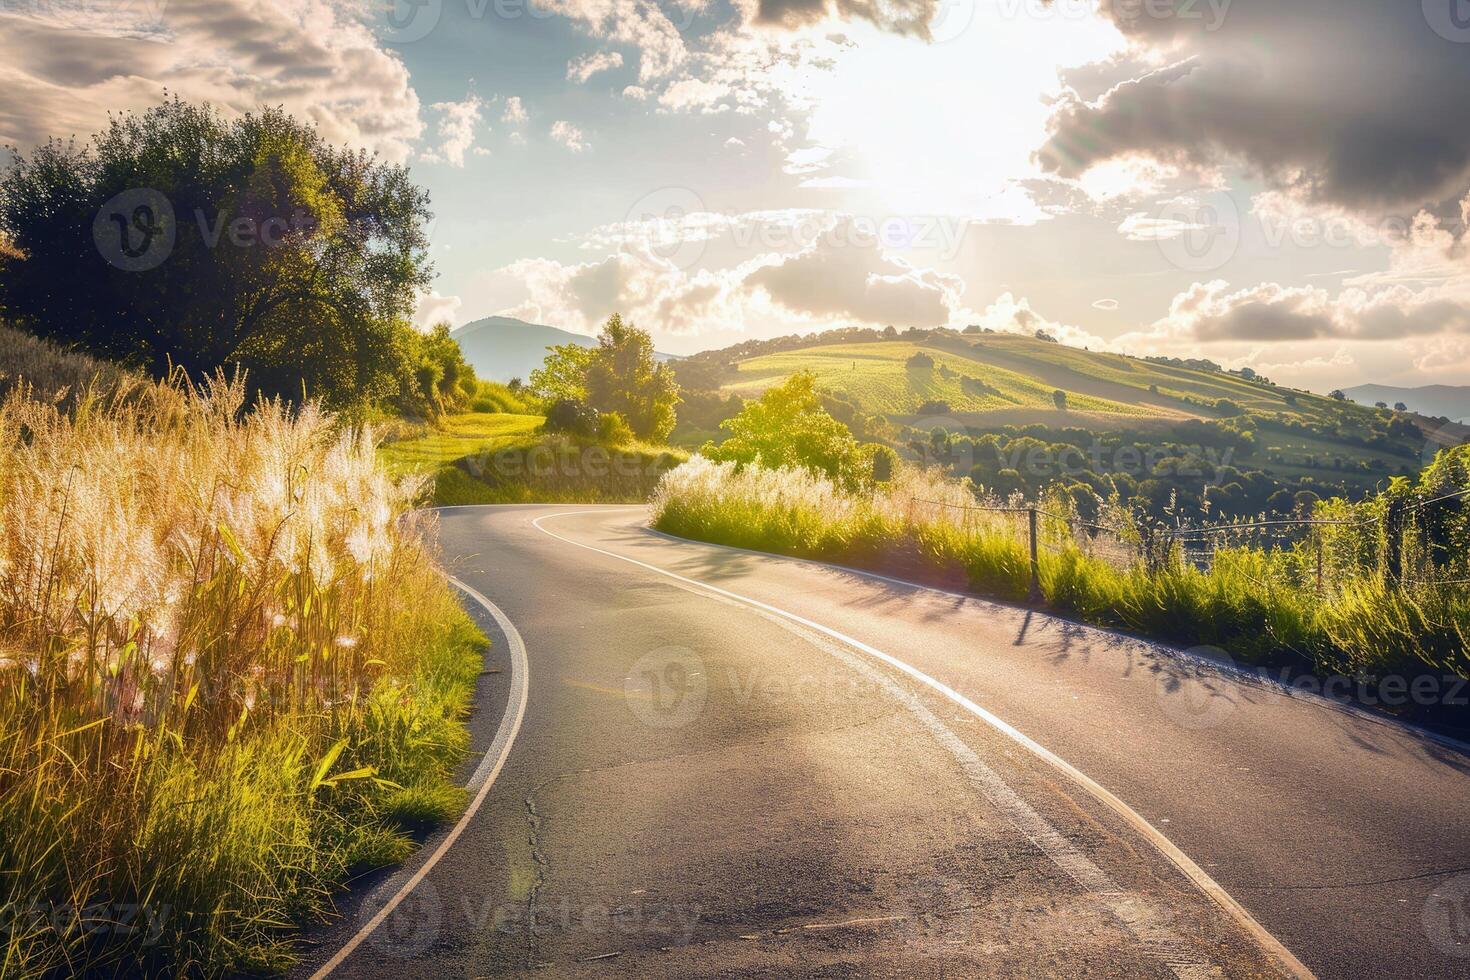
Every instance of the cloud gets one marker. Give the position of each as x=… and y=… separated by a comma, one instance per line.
x=1212, y=312
x=836, y=278
x=1012, y=314
x=583, y=67
x=62, y=74
x=833, y=277
x=694, y=93
x=433, y=309
x=640, y=23
x=515, y=111
x=1360, y=105
x=456, y=130
x=1144, y=228
x=900, y=16
x=568, y=135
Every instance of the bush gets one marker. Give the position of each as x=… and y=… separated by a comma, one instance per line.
x=920, y=362
x=881, y=462
x=574, y=417
x=612, y=430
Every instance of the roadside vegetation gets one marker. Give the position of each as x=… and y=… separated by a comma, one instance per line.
x=231, y=676
x=1374, y=592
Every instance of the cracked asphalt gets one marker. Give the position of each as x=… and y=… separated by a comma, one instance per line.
x=701, y=789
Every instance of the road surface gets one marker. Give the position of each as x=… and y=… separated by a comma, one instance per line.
x=736, y=765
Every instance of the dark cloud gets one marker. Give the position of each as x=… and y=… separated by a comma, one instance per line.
x=1352, y=102
x=1209, y=312
x=902, y=16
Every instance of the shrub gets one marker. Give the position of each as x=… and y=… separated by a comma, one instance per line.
x=612, y=430
x=920, y=362
x=572, y=416
x=787, y=426
x=881, y=462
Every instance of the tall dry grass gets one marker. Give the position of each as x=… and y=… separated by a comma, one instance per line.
x=230, y=674
x=1260, y=605
x=49, y=372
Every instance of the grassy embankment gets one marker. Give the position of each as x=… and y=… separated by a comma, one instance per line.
x=1260, y=606
x=230, y=677
x=500, y=458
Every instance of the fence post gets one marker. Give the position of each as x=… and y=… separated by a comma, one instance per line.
x=1035, y=562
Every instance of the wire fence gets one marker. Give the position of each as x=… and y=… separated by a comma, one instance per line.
x=1413, y=544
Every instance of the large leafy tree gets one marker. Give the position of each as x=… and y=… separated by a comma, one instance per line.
x=618, y=375
x=787, y=426
x=624, y=378
x=177, y=237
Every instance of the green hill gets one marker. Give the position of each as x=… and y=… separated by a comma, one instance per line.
x=976, y=384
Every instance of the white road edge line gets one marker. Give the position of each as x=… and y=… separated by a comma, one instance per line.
x=1273, y=946
x=1183, y=658
x=480, y=782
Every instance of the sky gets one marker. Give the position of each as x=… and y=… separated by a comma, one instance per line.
x=1280, y=184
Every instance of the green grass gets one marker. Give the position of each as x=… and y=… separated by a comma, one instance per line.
x=1262, y=607
x=459, y=436
x=480, y=458
x=1105, y=393
x=878, y=379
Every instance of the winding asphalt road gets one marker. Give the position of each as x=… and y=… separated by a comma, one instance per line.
x=735, y=765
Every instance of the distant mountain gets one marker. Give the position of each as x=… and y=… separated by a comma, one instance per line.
x=502, y=347
x=1449, y=401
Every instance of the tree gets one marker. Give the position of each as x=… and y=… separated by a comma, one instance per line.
x=563, y=375
x=1337, y=395
x=179, y=238
x=1059, y=398
x=618, y=375
x=1400, y=407
x=435, y=376
x=623, y=377
x=787, y=426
